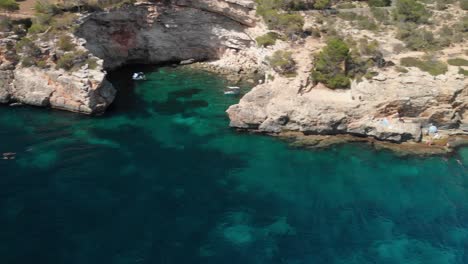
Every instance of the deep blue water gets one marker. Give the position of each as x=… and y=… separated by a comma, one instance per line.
x=161, y=178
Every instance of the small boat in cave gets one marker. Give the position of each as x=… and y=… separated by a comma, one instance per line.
x=232, y=90
x=138, y=76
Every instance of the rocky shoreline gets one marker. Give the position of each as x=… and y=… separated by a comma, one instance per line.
x=144, y=33
x=444, y=146
x=389, y=107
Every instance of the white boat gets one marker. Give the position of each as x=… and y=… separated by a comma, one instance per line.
x=138, y=76
x=232, y=90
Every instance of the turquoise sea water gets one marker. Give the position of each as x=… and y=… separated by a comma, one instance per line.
x=161, y=178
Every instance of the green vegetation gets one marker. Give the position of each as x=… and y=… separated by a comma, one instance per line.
x=268, y=39
x=54, y=24
x=30, y=53
x=443, y=4
x=330, y=64
x=458, y=62
x=8, y=5
x=314, y=32
x=65, y=43
x=282, y=62
x=46, y=7
x=368, y=48
x=463, y=25
x=381, y=15
x=288, y=5
x=37, y=28
x=63, y=21
x=464, y=4
x=411, y=11
x=290, y=24
x=5, y=24
x=361, y=22
x=296, y=4
x=27, y=47
x=463, y=71
x=415, y=38
x=66, y=61
x=27, y=61
x=379, y=3
x=73, y=60
x=92, y=63
x=345, y=5
x=434, y=67
x=322, y=4
x=343, y=60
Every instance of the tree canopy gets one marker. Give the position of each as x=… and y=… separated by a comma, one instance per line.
x=330, y=64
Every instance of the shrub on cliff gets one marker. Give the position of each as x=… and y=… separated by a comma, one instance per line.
x=37, y=28
x=379, y=3
x=27, y=61
x=64, y=21
x=322, y=4
x=462, y=27
x=345, y=5
x=361, y=22
x=65, y=43
x=290, y=24
x=28, y=48
x=463, y=71
x=46, y=7
x=464, y=4
x=416, y=38
x=282, y=62
x=298, y=4
x=381, y=15
x=432, y=66
x=285, y=4
x=411, y=11
x=66, y=61
x=330, y=64
x=268, y=39
x=458, y=62
x=5, y=24
x=8, y=5
x=71, y=60
x=286, y=22
x=40, y=23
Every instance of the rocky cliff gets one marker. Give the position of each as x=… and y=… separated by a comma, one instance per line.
x=145, y=32
x=391, y=106
x=158, y=32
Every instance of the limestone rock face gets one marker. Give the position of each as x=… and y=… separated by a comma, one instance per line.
x=6, y=66
x=392, y=106
x=144, y=32
x=84, y=91
x=159, y=33
x=6, y=77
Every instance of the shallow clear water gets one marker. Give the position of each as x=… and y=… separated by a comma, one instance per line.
x=161, y=179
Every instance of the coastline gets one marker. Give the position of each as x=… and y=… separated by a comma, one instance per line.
x=440, y=147
x=387, y=109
